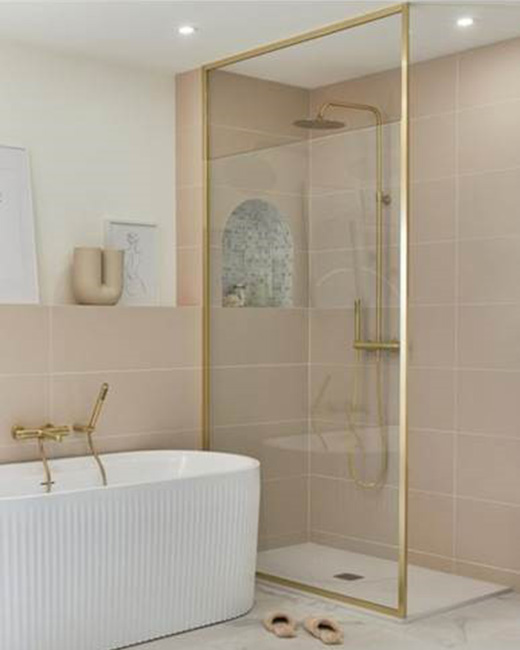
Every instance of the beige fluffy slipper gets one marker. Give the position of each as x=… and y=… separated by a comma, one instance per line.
x=327, y=630
x=281, y=625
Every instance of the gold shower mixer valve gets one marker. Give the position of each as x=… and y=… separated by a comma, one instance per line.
x=369, y=346
x=47, y=431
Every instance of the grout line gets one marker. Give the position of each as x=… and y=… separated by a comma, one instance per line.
x=308, y=218
x=107, y=436
x=76, y=373
x=464, y=432
x=356, y=539
x=262, y=423
x=458, y=109
x=278, y=479
x=464, y=369
x=487, y=566
x=253, y=190
x=456, y=315
x=291, y=139
x=288, y=364
x=461, y=173
x=494, y=502
x=112, y=371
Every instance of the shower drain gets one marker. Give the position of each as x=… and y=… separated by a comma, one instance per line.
x=348, y=576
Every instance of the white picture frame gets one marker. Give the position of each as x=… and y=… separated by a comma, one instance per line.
x=139, y=241
x=18, y=261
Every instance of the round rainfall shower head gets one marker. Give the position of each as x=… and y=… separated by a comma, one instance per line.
x=319, y=123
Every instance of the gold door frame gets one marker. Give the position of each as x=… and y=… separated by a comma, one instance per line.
x=403, y=10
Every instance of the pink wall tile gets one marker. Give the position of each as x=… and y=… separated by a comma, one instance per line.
x=490, y=74
x=487, y=468
x=133, y=338
x=488, y=533
x=24, y=339
x=60, y=366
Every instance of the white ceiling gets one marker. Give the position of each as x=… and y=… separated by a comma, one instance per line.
x=144, y=33
x=376, y=46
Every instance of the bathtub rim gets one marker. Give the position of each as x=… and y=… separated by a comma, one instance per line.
x=247, y=464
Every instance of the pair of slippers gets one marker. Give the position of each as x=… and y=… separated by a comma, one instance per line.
x=284, y=626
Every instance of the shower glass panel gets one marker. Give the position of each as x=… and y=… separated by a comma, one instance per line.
x=303, y=300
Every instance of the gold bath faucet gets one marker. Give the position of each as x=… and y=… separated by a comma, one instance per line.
x=57, y=433
x=46, y=432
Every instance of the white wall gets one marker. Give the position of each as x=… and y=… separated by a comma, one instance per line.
x=101, y=142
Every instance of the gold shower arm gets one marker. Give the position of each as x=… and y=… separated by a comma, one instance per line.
x=352, y=106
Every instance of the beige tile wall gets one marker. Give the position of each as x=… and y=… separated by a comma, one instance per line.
x=465, y=315
x=342, y=227
x=466, y=309
x=259, y=381
x=53, y=360
x=189, y=187
x=465, y=374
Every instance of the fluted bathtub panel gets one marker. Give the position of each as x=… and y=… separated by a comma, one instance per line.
x=105, y=568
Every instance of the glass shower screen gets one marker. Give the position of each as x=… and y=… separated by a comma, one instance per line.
x=305, y=186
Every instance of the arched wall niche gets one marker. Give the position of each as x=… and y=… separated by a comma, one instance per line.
x=258, y=255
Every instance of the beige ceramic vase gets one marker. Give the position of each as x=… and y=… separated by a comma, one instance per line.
x=97, y=276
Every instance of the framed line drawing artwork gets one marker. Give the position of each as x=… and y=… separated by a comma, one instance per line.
x=139, y=242
x=18, y=263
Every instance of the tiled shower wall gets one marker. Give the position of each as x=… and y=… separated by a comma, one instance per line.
x=344, y=384
x=465, y=373
x=465, y=377
x=465, y=366
x=259, y=380
x=54, y=359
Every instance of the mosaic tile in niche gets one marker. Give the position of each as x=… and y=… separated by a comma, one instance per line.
x=257, y=267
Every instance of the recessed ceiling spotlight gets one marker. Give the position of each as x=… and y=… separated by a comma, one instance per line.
x=465, y=21
x=187, y=30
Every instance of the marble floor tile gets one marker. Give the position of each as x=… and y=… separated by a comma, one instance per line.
x=492, y=624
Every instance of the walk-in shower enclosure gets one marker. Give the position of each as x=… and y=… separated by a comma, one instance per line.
x=313, y=146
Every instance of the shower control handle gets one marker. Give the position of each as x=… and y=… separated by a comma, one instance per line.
x=367, y=345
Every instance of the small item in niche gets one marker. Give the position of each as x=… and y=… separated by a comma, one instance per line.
x=236, y=297
x=97, y=276
x=260, y=294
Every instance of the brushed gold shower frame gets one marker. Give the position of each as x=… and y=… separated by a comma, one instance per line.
x=403, y=10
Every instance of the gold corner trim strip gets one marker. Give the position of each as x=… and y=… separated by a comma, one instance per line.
x=404, y=300
x=206, y=268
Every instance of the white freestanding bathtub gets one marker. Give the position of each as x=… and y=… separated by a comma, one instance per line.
x=169, y=545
